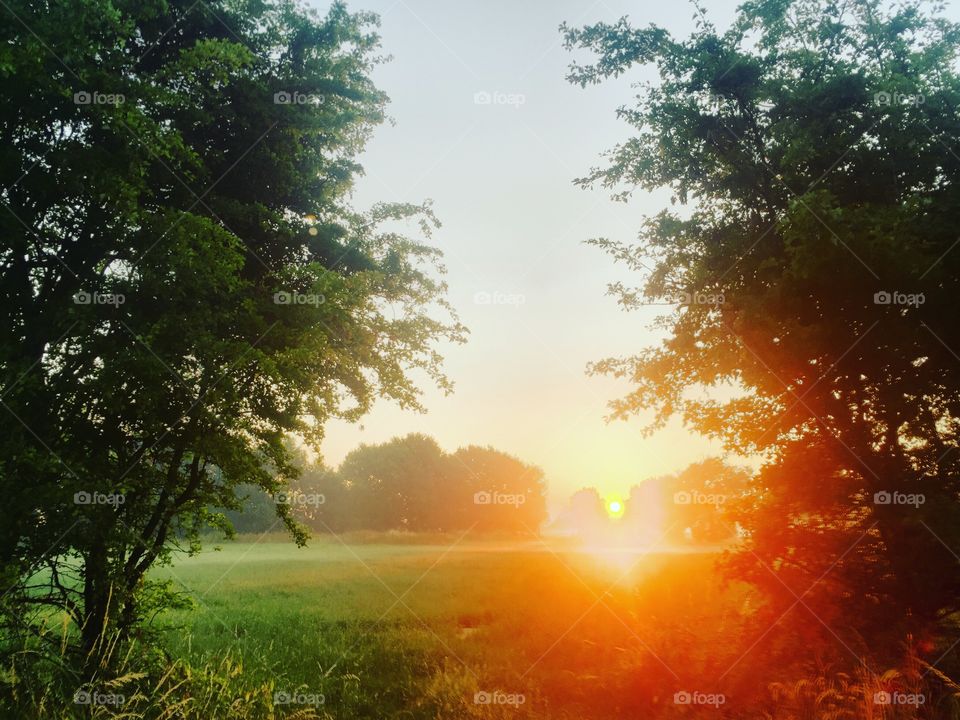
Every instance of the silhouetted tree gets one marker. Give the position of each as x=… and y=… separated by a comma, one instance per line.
x=811, y=152
x=700, y=498
x=506, y=493
x=403, y=484
x=586, y=512
x=257, y=512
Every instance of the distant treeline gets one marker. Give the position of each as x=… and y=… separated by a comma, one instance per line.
x=411, y=484
x=694, y=506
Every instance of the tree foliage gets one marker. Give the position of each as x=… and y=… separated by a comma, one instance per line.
x=410, y=484
x=184, y=282
x=812, y=156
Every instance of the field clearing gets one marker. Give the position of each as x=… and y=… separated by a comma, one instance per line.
x=417, y=631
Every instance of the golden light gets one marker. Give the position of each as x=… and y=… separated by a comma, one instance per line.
x=615, y=508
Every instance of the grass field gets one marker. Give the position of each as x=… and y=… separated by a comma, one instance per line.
x=480, y=629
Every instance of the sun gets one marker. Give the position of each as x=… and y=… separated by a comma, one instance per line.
x=615, y=507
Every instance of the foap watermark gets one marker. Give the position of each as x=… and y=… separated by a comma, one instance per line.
x=686, y=697
x=98, y=498
x=92, y=697
x=498, y=697
x=886, y=99
x=297, y=697
x=499, y=298
x=696, y=497
x=484, y=97
x=295, y=497
x=297, y=98
x=484, y=497
x=685, y=298
x=95, y=97
x=896, y=297
x=94, y=298
x=885, y=497
x=295, y=298
x=898, y=698
x=700, y=298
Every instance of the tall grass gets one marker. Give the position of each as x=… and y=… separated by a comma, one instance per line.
x=397, y=630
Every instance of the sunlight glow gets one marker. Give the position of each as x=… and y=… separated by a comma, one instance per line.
x=615, y=508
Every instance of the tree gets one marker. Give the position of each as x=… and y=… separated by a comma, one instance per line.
x=585, y=514
x=320, y=499
x=811, y=152
x=699, y=499
x=184, y=281
x=256, y=513
x=410, y=483
x=503, y=493
x=398, y=485
x=307, y=496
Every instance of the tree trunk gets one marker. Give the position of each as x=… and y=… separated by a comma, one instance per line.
x=97, y=597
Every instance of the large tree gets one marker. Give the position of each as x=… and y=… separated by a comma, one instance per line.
x=403, y=484
x=410, y=483
x=183, y=280
x=812, y=154
x=503, y=493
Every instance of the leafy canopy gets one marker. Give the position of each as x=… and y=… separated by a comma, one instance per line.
x=812, y=156
x=184, y=282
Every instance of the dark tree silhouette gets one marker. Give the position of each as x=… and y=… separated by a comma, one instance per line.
x=813, y=158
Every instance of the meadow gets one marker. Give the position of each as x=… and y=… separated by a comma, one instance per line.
x=444, y=629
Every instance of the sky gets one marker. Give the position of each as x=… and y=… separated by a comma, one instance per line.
x=488, y=128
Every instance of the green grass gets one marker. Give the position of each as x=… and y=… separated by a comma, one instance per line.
x=497, y=616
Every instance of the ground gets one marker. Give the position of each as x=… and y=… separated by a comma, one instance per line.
x=482, y=629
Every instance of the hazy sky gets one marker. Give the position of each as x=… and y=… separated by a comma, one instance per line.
x=500, y=175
